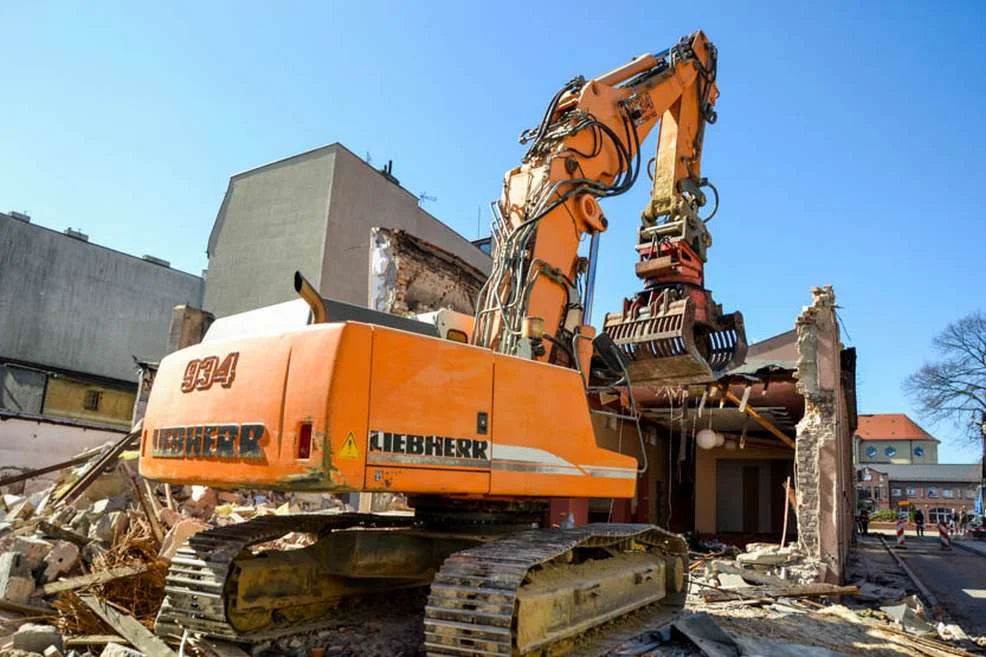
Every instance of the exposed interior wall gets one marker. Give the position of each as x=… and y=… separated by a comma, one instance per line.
x=650, y=502
x=823, y=454
x=706, y=475
x=311, y=212
x=360, y=199
x=409, y=275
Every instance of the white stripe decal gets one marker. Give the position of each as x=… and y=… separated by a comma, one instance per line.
x=609, y=472
x=526, y=466
x=529, y=455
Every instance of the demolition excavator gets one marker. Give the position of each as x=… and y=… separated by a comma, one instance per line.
x=479, y=426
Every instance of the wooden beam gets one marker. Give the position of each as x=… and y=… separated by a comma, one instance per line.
x=761, y=420
x=54, y=467
x=98, y=577
x=28, y=610
x=99, y=466
x=94, y=640
x=54, y=531
x=816, y=589
x=129, y=628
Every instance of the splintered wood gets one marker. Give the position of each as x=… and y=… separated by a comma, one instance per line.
x=140, y=593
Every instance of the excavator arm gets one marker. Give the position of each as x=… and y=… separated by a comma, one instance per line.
x=537, y=301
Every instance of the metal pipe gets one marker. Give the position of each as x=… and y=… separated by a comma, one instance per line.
x=590, y=278
x=311, y=296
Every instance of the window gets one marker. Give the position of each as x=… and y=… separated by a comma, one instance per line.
x=932, y=491
x=919, y=451
x=912, y=492
x=864, y=493
x=890, y=452
x=21, y=390
x=871, y=452
x=946, y=492
x=970, y=493
x=939, y=514
x=895, y=492
x=92, y=399
x=876, y=493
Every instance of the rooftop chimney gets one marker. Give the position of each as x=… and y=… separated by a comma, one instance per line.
x=20, y=215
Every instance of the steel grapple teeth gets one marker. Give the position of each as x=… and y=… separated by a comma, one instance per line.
x=667, y=346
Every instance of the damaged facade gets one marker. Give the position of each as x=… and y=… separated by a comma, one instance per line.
x=312, y=212
x=784, y=418
x=409, y=275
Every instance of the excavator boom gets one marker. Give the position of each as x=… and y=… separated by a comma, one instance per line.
x=588, y=147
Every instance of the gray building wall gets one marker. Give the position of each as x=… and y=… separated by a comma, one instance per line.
x=271, y=223
x=312, y=212
x=72, y=305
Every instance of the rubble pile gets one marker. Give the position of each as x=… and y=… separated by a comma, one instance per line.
x=101, y=537
x=770, y=592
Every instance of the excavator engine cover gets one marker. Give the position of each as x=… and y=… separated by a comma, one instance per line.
x=665, y=345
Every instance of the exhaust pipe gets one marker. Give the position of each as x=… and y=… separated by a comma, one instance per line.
x=311, y=296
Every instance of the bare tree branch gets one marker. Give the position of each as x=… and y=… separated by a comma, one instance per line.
x=954, y=387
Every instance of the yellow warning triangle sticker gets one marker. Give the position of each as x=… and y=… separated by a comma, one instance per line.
x=349, y=450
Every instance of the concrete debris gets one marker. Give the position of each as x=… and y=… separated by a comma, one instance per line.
x=37, y=638
x=409, y=275
x=34, y=550
x=116, y=650
x=768, y=554
x=755, y=600
x=60, y=560
x=178, y=534
x=703, y=631
x=16, y=584
x=88, y=537
x=869, y=592
x=911, y=616
x=109, y=527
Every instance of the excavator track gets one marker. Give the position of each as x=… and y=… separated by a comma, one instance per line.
x=198, y=582
x=475, y=601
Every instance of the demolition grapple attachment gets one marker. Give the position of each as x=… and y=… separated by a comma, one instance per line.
x=667, y=341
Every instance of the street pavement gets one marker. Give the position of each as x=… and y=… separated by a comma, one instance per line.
x=957, y=577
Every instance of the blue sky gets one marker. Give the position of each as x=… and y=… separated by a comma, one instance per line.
x=849, y=147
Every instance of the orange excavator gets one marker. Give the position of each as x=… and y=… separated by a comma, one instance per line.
x=479, y=426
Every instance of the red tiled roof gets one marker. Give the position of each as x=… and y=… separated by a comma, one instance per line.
x=890, y=426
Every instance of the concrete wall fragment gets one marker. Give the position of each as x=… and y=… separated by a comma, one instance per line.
x=823, y=459
x=409, y=275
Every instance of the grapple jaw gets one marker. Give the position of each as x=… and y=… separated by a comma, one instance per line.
x=666, y=345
